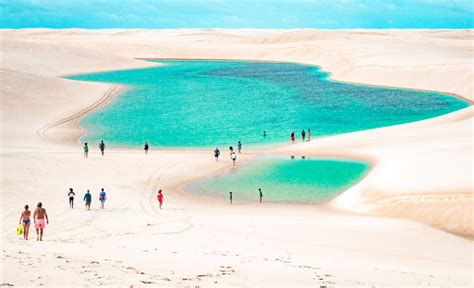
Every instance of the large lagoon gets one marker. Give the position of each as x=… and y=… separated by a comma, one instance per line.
x=217, y=103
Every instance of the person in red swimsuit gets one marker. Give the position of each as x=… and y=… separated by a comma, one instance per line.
x=160, y=198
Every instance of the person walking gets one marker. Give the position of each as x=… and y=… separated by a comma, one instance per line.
x=25, y=221
x=102, y=147
x=160, y=198
x=239, y=146
x=303, y=135
x=71, y=195
x=38, y=218
x=260, y=194
x=292, y=137
x=88, y=200
x=102, y=198
x=309, y=135
x=230, y=197
x=86, y=150
x=233, y=156
x=217, y=153
x=146, y=147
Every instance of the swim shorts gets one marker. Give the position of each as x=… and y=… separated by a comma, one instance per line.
x=39, y=224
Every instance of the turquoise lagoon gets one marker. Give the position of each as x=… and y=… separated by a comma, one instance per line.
x=217, y=103
x=284, y=180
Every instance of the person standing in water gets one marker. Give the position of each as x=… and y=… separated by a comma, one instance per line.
x=260, y=194
x=88, y=200
x=38, y=217
x=230, y=197
x=264, y=133
x=309, y=135
x=102, y=147
x=239, y=146
x=25, y=221
x=303, y=135
x=71, y=195
x=160, y=198
x=102, y=198
x=292, y=137
x=86, y=150
x=233, y=156
x=146, y=147
x=217, y=153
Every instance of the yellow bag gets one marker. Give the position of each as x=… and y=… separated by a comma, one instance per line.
x=19, y=230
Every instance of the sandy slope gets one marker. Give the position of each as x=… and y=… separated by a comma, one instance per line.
x=423, y=170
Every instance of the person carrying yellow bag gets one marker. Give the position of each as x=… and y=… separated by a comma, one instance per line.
x=25, y=221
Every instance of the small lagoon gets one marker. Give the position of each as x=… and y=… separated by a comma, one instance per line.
x=284, y=180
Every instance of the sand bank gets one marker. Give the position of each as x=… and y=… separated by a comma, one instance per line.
x=423, y=171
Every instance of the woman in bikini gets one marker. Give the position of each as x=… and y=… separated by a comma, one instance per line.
x=25, y=221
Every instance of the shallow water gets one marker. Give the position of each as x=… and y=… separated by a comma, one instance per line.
x=217, y=103
x=284, y=180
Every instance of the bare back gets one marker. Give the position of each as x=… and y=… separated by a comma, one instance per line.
x=40, y=213
x=26, y=215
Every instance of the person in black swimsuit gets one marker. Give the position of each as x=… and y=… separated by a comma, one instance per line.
x=146, y=147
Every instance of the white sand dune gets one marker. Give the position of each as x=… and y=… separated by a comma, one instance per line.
x=407, y=223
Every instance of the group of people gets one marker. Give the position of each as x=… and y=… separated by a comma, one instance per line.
x=39, y=217
x=260, y=194
x=233, y=155
x=87, y=198
x=101, y=148
x=146, y=147
x=303, y=136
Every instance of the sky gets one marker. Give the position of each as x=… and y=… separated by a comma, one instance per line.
x=323, y=14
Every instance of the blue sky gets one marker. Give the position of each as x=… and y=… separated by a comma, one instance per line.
x=326, y=14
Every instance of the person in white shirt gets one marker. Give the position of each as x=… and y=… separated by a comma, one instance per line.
x=71, y=195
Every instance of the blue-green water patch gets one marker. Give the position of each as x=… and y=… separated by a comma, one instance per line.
x=284, y=180
x=217, y=103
